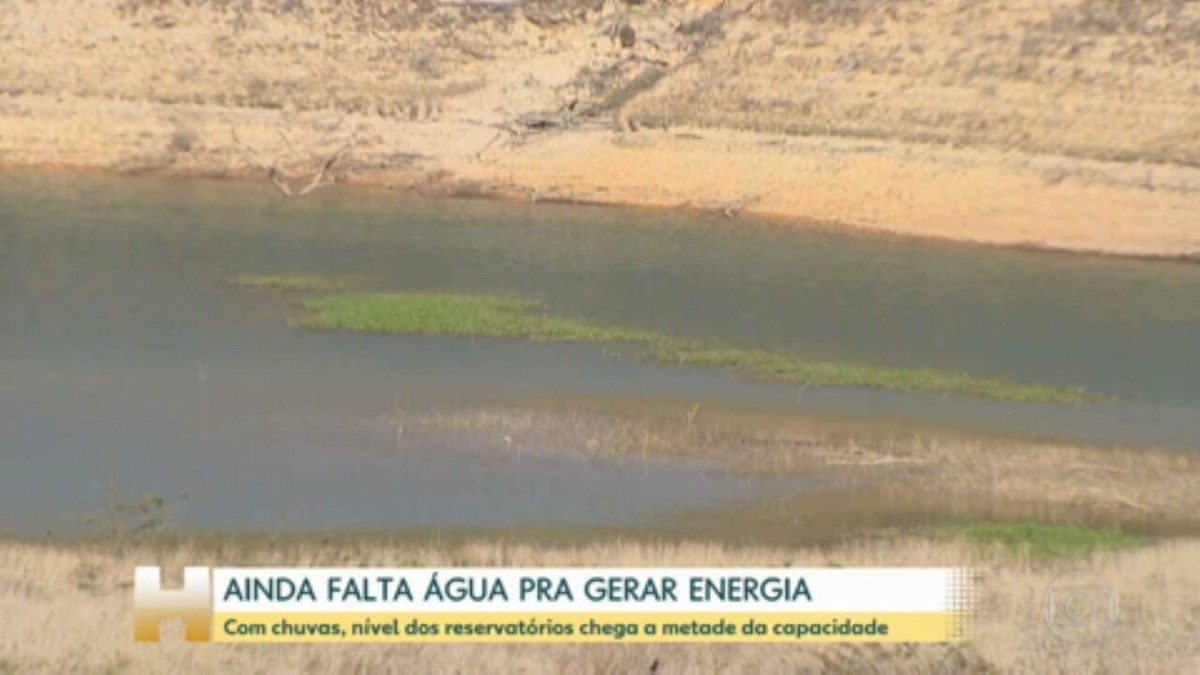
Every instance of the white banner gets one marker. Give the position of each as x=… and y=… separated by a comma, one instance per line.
x=615, y=590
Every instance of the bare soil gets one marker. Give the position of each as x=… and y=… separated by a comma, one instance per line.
x=1071, y=124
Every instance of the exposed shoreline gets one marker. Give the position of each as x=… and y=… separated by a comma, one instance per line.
x=1023, y=125
x=996, y=200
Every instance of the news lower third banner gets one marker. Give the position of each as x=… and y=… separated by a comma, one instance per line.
x=539, y=605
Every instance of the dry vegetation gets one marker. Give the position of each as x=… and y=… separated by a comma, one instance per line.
x=1068, y=124
x=399, y=80
x=1147, y=489
x=396, y=59
x=1028, y=75
x=67, y=608
x=379, y=58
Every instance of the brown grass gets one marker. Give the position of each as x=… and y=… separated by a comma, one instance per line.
x=982, y=74
x=384, y=58
x=1025, y=75
x=67, y=608
x=1068, y=125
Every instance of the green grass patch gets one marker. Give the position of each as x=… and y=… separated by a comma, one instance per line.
x=458, y=316
x=486, y=316
x=1041, y=541
x=788, y=369
x=313, y=284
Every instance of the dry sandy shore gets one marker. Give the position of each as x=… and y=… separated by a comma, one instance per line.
x=1069, y=124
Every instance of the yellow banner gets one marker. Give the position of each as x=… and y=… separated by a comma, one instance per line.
x=582, y=627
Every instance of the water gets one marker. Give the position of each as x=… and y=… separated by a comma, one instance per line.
x=124, y=360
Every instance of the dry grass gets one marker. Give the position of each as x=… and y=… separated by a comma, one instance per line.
x=1028, y=75
x=386, y=58
x=894, y=116
x=67, y=608
x=978, y=73
x=389, y=58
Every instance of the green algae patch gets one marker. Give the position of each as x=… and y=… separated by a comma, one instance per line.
x=456, y=316
x=787, y=369
x=296, y=283
x=522, y=319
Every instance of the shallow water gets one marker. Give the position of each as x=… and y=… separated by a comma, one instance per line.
x=124, y=359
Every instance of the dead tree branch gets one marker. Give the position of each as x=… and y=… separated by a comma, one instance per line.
x=278, y=178
x=322, y=178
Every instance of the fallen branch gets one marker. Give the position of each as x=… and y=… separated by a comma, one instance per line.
x=320, y=180
x=734, y=209
x=279, y=180
x=498, y=136
x=276, y=175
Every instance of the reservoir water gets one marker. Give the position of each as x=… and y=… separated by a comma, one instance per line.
x=127, y=363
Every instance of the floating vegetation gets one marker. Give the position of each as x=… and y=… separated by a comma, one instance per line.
x=515, y=318
x=458, y=316
x=774, y=367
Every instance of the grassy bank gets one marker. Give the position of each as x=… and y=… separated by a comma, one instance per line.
x=1041, y=541
x=83, y=591
x=497, y=317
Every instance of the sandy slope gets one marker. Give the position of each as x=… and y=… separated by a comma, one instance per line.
x=1072, y=124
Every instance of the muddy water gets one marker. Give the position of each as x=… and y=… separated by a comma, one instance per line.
x=126, y=364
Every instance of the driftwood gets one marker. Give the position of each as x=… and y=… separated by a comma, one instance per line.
x=279, y=179
x=323, y=178
x=539, y=121
x=520, y=126
x=734, y=209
